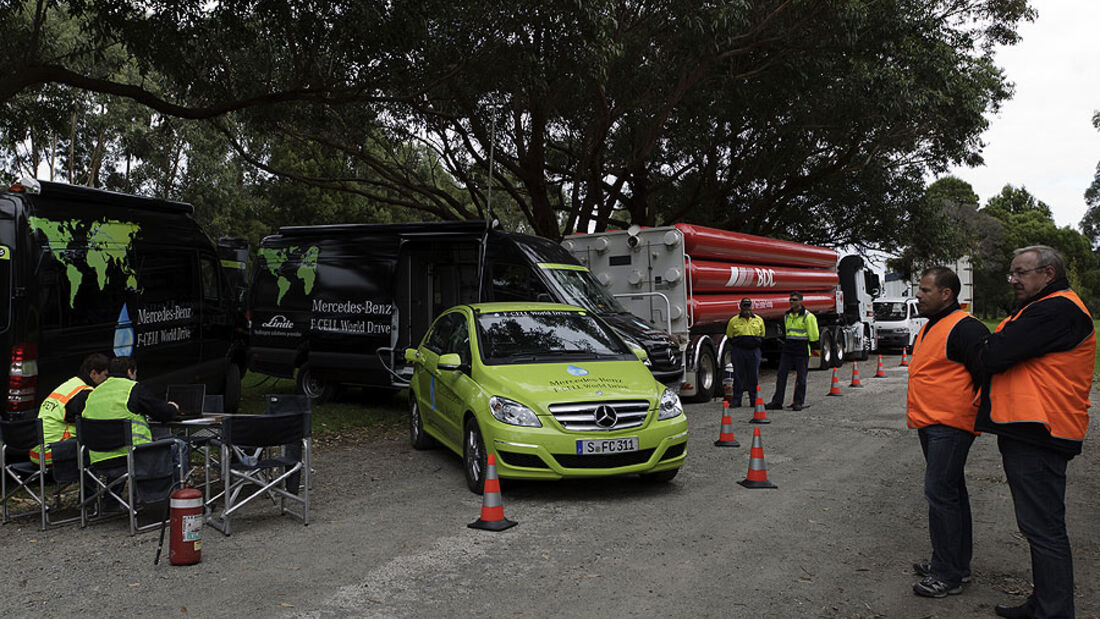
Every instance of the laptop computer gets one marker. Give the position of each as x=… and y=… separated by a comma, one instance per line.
x=189, y=398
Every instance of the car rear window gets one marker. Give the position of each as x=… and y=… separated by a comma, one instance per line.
x=546, y=336
x=7, y=259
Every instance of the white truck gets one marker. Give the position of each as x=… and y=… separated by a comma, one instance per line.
x=897, y=322
x=689, y=280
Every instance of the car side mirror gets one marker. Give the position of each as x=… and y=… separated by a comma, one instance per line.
x=412, y=355
x=449, y=361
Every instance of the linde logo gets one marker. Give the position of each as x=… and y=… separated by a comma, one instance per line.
x=278, y=321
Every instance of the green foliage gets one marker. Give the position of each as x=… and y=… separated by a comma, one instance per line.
x=1090, y=223
x=1027, y=221
x=809, y=120
x=945, y=226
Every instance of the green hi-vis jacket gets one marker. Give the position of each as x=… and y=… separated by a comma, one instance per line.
x=110, y=400
x=800, y=328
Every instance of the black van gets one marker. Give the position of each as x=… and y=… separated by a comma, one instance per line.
x=89, y=271
x=339, y=304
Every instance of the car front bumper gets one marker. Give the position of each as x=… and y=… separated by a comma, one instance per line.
x=551, y=453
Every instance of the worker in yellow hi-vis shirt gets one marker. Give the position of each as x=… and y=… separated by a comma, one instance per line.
x=745, y=332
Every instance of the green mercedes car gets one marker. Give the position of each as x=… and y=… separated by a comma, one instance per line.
x=549, y=389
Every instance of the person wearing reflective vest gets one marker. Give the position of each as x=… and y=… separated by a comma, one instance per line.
x=1040, y=363
x=122, y=397
x=941, y=403
x=800, y=337
x=60, y=409
x=745, y=332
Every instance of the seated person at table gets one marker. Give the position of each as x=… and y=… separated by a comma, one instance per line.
x=65, y=403
x=121, y=397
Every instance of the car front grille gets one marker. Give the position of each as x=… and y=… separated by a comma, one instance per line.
x=594, y=416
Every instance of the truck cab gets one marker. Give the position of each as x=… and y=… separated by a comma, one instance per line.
x=897, y=322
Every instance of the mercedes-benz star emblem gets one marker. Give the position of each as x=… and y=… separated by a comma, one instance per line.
x=605, y=416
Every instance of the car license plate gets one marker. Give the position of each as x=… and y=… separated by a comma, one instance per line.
x=607, y=445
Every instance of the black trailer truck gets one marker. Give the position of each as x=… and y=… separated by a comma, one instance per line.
x=338, y=304
x=87, y=271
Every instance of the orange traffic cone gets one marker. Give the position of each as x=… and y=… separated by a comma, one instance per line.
x=834, y=390
x=757, y=476
x=904, y=358
x=492, y=509
x=759, y=414
x=880, y=372
x=855, y=376
x=725, y=435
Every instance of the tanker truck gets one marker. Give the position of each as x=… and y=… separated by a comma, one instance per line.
x=689, y=280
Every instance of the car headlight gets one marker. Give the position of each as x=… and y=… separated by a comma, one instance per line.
x=513, y=413
x=670, y=405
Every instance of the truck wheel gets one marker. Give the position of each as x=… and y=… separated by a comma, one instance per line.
x=706, y=375
x=838, y=349
x=231, y=392
x=865, y=350
x=474, y=457
x=417, y=437
x=826, y=358
x=316, y=388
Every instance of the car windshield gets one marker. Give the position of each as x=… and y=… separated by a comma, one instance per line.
x=580, y=288
x=893, y=310
x=545, y=336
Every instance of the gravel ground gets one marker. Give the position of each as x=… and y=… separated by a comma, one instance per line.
x=388, y=535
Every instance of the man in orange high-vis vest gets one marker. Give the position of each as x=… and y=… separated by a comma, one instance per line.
x=64, y=404
x=1036, y=400
x=941, y=404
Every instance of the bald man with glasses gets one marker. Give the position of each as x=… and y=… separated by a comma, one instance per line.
x=1035, y=398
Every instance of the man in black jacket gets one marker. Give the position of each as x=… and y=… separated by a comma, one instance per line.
x=1035, y=399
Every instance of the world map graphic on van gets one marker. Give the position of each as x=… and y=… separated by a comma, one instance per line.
x=101, y=245
x=274, y=260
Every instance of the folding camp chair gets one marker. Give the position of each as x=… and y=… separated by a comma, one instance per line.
x=273, y=472
x=28, y=478
x=150, y=473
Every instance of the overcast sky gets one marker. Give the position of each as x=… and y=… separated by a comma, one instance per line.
x=1043, y=138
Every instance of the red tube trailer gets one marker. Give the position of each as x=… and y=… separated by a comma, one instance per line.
x=716, y=309
x=707, y=276
x=700, y=242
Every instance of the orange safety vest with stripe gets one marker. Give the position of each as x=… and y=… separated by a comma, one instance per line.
x=110, y=400
x=941, y=391
x=52, y=414
x=1052, y=389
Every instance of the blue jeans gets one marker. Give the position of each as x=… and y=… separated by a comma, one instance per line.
x=801, y=365
x=1037, y=478
x=949, y=522
x=746, y=372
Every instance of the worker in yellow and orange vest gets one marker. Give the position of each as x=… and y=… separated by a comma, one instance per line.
x=65, y=403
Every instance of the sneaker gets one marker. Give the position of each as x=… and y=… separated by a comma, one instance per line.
x=932, y=587
x=924, y=568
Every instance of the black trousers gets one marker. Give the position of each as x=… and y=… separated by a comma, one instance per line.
x=801, y=365
x=950, y=527
x=1037, y=479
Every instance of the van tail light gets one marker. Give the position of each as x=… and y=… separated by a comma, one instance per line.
x=23, y=377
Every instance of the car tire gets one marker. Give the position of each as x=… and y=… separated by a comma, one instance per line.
x=474, y=457
x=231, y=391
x=316, y=389
x=660, y=477
x=418, y=438
x=706, y=375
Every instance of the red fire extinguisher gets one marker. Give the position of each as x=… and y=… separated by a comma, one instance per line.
x=185, y=547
